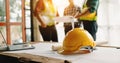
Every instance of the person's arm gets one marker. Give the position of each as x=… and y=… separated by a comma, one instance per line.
x=84, y=12
x=92, y=6
x=57, y=14
x=37, y=13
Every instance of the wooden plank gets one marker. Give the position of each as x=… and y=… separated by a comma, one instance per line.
x=25, y=57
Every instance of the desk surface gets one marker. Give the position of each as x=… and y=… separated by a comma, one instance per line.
x=101, y=55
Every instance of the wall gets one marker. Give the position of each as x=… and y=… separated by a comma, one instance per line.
x=109, y=21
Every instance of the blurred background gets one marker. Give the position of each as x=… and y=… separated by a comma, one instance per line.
x=18, y=24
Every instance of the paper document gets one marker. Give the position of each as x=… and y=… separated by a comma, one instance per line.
x=65, y=19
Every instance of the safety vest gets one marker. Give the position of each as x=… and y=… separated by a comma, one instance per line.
x=90, y=17
x=49, y=13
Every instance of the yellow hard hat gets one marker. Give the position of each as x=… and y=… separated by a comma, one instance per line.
x=76, y=39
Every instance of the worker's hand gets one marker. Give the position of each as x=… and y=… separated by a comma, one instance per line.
x=43, y=25
x=78, y=15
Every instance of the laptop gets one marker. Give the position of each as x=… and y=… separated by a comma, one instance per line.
x=14, y=47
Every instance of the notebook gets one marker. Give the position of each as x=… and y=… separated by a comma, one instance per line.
x=14, y=47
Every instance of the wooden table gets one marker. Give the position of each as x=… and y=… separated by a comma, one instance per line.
x=43, y=54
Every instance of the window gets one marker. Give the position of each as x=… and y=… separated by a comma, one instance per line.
x=28, y=19
x=12, y=20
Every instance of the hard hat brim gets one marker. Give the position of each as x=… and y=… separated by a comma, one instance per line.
x=80, y=51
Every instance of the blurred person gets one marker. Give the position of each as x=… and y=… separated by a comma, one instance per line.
x=88, y=16
x=45, y=12
x=71, y=10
